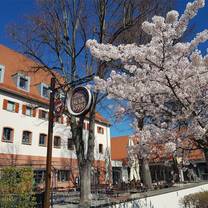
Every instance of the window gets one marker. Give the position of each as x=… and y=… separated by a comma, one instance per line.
x=10, y=106
x=70, y=144
x=39, y=176
x=101, y=148
x=22, y=81
x=57, y=142
x=26, y=137
x=44, y=91
x=43, y=114
x=8, y=134
x=28, y=111
x=63, y=175
x=42, y=139
x=2, y=73
x=100, y=130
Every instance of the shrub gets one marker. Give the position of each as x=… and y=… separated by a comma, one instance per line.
x=16, y=188
x=197, y=200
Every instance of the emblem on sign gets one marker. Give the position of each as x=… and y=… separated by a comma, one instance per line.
x=59, y=107
x=79, y=101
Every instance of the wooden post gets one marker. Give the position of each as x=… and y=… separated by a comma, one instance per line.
x=49, y=146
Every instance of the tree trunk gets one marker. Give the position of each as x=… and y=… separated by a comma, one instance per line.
x=84, y=161
x=146, y=175
x=176, y=176
x=205, y=150
x=85, y=155
x=85, y=184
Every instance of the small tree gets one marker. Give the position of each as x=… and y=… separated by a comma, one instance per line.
x=16, y=187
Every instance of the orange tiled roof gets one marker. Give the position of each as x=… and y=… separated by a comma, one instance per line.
x=14, y=63
x=100, y=118
x=17, y=63
x=119, y=147
x=119, y=151
x=195, y=155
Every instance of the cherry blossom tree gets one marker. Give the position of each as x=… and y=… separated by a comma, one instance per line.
x=165, y=81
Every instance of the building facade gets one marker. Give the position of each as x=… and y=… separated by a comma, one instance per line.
x=126, y=169
x=24, y=102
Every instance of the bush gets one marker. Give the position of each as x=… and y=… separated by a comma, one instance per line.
x=197, y=200
x=16, y=188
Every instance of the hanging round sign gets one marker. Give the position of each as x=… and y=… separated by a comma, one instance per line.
x=79, y=101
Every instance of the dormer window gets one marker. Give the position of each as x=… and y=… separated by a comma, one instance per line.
x=2, y=68
x=44, y=91
x=22, y=81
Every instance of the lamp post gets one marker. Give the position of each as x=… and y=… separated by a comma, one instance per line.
x=49, y=145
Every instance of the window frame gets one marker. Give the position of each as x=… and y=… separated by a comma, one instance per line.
x=100, y=148
x=27, y=78
x=100, y=130
x=39, y=175
x=56, y=146
x=14, y=106
x=45, y=140
x=11, y=135
x=65, y=173
x=71, y=147
x=31, y=111
x=6, y=105
x=2, y=69
x=30, y=137
x=45, y=113
x=23, y=83
x=42, y=86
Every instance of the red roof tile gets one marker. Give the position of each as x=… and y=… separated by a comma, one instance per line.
x=119, y=147
x=15, y=62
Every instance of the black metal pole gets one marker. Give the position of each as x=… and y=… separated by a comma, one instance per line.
x=49, y=146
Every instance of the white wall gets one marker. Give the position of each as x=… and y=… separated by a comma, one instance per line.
x=168, y=200
x=20, y=122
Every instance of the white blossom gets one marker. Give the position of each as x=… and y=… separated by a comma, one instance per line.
x=158, y=73
x=172, y=17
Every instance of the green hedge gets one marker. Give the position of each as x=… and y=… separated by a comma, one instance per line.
x=197, y=200
x=16, y=188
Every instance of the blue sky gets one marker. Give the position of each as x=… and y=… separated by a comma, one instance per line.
x=13, y=11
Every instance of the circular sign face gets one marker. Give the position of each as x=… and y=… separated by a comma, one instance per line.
x=79, y=101
x=58, y=107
